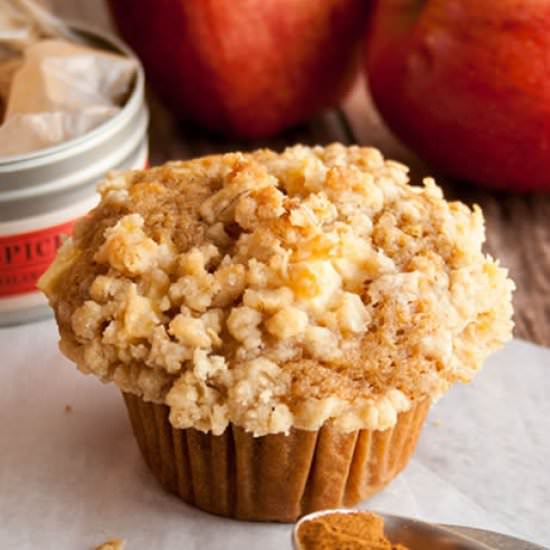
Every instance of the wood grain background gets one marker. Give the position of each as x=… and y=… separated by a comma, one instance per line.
x=518, y=226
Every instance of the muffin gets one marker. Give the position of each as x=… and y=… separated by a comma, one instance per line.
x=278, y=324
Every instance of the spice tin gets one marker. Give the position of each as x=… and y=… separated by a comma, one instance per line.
x=43, y=193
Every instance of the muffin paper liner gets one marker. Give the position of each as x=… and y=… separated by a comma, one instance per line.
x=274, y=477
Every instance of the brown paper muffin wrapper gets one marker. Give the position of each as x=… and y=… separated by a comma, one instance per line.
x=274, y=477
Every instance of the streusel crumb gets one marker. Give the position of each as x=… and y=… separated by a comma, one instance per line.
x=112, y=544
x=279, y=290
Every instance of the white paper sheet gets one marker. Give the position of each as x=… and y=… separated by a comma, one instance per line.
x=52, y=90
x=73, y=480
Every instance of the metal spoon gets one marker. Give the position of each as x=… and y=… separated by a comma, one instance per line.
x=420, y=535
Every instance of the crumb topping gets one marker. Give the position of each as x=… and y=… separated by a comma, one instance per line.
x=112, y=544
x=279, y=290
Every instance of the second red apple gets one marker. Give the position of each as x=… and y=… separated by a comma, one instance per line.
x=466, y=84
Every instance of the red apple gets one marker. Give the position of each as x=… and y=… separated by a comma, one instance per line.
x=246, y=67
x=466, y=84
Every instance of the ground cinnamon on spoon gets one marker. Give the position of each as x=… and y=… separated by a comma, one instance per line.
x=345, y=531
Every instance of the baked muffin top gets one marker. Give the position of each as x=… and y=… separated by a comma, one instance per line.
x=279, y=290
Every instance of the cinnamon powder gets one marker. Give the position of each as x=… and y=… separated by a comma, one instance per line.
x=345, y=531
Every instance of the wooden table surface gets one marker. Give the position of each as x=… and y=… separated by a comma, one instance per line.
x=518, y=226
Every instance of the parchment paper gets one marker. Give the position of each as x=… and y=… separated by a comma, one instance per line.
x=52, y=90
x=71, y=480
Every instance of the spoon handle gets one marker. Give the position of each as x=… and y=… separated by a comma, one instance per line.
x=494, y=540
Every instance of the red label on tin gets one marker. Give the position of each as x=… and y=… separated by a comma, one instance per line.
x=25, y=256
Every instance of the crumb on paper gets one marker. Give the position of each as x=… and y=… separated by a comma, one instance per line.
x=437, y=423
x=112, y=544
